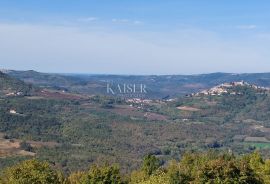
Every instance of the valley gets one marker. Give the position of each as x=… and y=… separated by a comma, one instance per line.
x=75, y=129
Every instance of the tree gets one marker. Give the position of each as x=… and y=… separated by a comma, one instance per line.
x=223, y=171
x=177, y=176
x=150, y=164
x=26, y=146
x=102, y=175
x=75, y=178
x=30, y=171
x=158, y=178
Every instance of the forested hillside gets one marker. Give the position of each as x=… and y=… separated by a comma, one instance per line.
x=72, y=131
x=11, y=86
x=158, y=87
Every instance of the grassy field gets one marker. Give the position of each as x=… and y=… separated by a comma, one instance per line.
x=258, y=145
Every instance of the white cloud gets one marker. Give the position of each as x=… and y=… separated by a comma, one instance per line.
x=137, y=22
x=248, y=27
x=127, y=21
x=69, y=49
x=121, y=20
x=88, y=19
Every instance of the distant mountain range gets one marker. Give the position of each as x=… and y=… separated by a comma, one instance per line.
x=158, y=86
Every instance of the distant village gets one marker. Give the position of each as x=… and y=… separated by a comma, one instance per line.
x=219, y=90
x=224, y=89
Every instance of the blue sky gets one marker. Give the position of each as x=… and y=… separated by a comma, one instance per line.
x=135, y=37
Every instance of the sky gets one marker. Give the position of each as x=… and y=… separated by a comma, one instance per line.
x=135, y=36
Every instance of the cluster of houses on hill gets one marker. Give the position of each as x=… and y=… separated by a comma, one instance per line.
x=224, y=89
x=138, y=101
x=14, y=112
x=147, y=101
x=15, y=93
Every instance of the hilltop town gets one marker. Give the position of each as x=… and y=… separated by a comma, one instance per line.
x=226, y=88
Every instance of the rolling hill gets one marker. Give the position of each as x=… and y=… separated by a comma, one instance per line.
x=11, y=86
x=158, y=87
x=72, y=130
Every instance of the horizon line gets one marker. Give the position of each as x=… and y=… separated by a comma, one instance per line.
x=119, y=74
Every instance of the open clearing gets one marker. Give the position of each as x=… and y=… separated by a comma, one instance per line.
x=126, y=110
x=60, y=95
x=259, y=145
x=155, y=117
x=256, y=139
x=12, y=148
x=186, y=108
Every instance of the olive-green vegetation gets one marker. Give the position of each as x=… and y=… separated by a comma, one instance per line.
x=72, y=133
x=9, y=84
x=30, y=171
x=197, y=168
